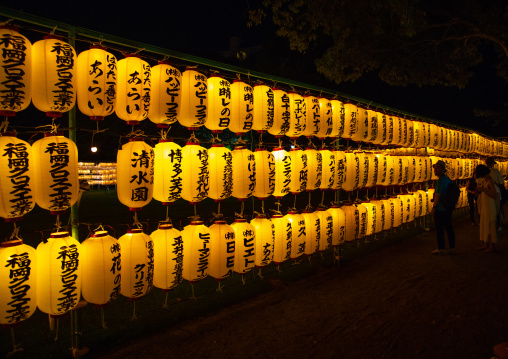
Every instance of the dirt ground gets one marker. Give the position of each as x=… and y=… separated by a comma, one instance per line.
x=399, y=302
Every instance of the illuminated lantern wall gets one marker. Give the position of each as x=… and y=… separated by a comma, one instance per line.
x=264, y=232
x=167, y=182
x=196, y=251
x=15, y=71
x=135, y=172
x=168, y=256
x=281, y=113
x=137, y=252
x=325, y=118
x=282, y=172
x=58, y=274
x=351, y=121
x=222, y=250
x=195, y=173
x=133, y=90
x=220, y=164
x=299, y=171
x=18, y=282
x=96, y=80
x=244, y=174
x=283, y=238
x=245, y=250
x=165, y=94
x=53, y=76
x=312, y=232
x=100, y=268
x=194, y=101
x=326, y=229
x=16, y=177
x=313, y=116
x=263, y=108
x=298, y=234
x=56, y=182
x=265, y=173
x=242, y=107
x=219, y=104
x=315, y=171
x=329, y=169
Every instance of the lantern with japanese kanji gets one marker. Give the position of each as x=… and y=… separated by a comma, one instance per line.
x=195, y=173
x=389, y=213
x=373, y=124
x=56, y=180
x=245, y=249
x=133, y=90
x=329, y=169
x=167, y=181
x=168, y=257
x=244, y=174
x=298, y=115
x=264, y=232
x=382, y=129
x=222, y=250
x=220, y=164
x=371, y=218
x=410, y=133
x=312, y=231
x=100, y=268
x=242, y=107
x=397, y=211
x=53, y=76
x=339, y=225
x=398, y=131
x=165, y=94
x=194, y=101
x=196, y=251
x=282, y=172
x=96, y=79
x=137, y=252
x=364, y=166
x=265, y=173
x=282, y=240
x=351, y=121
x=326, y=229
x=135, y=172
x=338, y=113
x=299, y=169
x=58, y=274
x=18, y=282
x=315, y=171
x=363, y=221
x=380, y=215
x=15, y=73
x=297, y=232
x=389, y=130
x=362, y=130
x=281, y=113
x=313, y=116
x=325, y=118
x=263, y=108
x=373, y=170
x=352, y=170
x=352, y=222
x=219, y=104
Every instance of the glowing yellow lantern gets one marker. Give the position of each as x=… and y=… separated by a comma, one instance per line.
x=419, y=134
x=298, y=115
x=379, y=215
x=329, y=168
x=398, y=170
x=282, y=240
x=15, y=73
x=265, y=173
x=389, y=129
x=382, y=169
x=56, y=179
x=220, y=164
x=362, y=132
x=352, y=222
x=312, y=232
x=168, y=257
x=373, y=170
x=135, y=170
x=222, y=250
x=263, y=108
x=411, y=169
x=281, y=113
x=219, y=104
x=58, y=275
x=242, y=107
x=339, y=225
x=245, y=249
x=389, y=179
x=326, y=229
x=16, y=177
x=194, y=102
x=195, y=173
x=165, y=94
x=196, y=251
x=373, y=120
x=100, y=268
x=421, y=202
x=18, y=277
x=264, y=233
x=419, y=163
x=282, y=172
x=389, y=213
x=405, y=170
x=397, y=131
x=167, y=182
x=244, y=174
x=339, y=117
x=433, y=135
x=299, y=169
x=371, y=218
x=315, y=172
x=96, y=79
x=133, y=89
x=313, y=116
x=410, y=137
x=340, y=169
x=325, y=118
x=397, y=211
x=352, y=180
x=364, y=162
x=297, y=233
x=363, y=222
x=137, y=253
x=350, y=121
x=53, y=76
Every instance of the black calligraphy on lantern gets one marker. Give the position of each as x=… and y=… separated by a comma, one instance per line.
x=172, y=83
x=270, y=109
x=299, y=112
x=285, y=114
x=314, y=116
x=248, y=98
x=204, y=253
x=18, y=164
x=116, y=268
x=251, y=170
x=18, y=308
x=69, y=258
x=286, y=173
x=142, y=161
x=225, y=100
x=301, y=233
x=201, y=94
x=203, y=175
x=248, y=245
x=13, y=89
x=303, y=172
x=227, y=175
x=102, y=74
x=59, y=164
x=177, y=271
x=63, y=98
x=175, y=181
x=289, y=241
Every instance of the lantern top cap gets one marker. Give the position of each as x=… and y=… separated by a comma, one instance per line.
x=195, y=223
x=165, y=226
x=13, y=243
x=135, y=230
x=99, y=234
x=9, y=27
x=240, y=220
x=8, y=134
x=59, y=234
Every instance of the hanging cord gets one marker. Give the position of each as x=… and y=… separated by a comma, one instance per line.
x=58, y=224
x=136, y=222
x=164, y=134
x=167, y=214
x=260, y=143
x=240, y=215
x=53, y=128
x=4, y=125
x=15, y=347
x=134, y=316
x=214, y=139
x=103, y=322
x=15, y=232
x=193, y=138
x=322, y=199
x=165, y=304
x=135, y=134
x=57, y=327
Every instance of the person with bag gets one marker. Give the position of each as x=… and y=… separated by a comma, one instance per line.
x=498, y=179
x=487, y=207
x=442, y=214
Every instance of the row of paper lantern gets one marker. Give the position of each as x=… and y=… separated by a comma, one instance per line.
x=51, y=75
x=61, y=270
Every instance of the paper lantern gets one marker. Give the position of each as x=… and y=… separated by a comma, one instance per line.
x=389, y=213
x=329, y=168
x=282, y=240
x=195, y=173
x=100, y=268
x=339, y=117
x=165, y=94
x=389, y=130
x=298, y=115
x=58, y=275
x=398, y=131
x=168, y=257
x=15, y=73
x=298, y=234
x=398, y=170
x=96, y=80
x=219, y=104
x=313, y=116
x=364, y=169
x=379, y=215
x=352, y=222
x=340, y=169
x=194, y=101
x=196, y=251
x=371, y=218
x=244, y=174
x=373, y=171
x=325, y=118
x=315, y=171
x=382, y=168
x=245, y=249
x=133, y=89
x=167, y=179
x=382, y=129
x=264, y=232
x=135, y=174
x=363, y=221
x=352, y=180
x=137, y=253
x=373, y=123
x=242, y=107
x=351, y=121
x=398, y=213
x=339, y=225
x=56, y=181
x=220, y=164
x=18, y=282
x=53, y=76
x=421, y=203
x=281, y=113
x=312, y=232
x=263, y=108
x=299, y=171
x=222, y=250
x=16, y=177
x=282, y=172
x=389, y=179
x=410, y=134
x=326, y=229
x=411, y=169
x=362, y=131
x=265, y=173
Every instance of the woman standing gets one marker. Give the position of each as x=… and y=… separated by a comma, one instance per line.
x=487, y=208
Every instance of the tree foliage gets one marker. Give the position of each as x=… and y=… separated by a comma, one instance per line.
x=421, y=42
